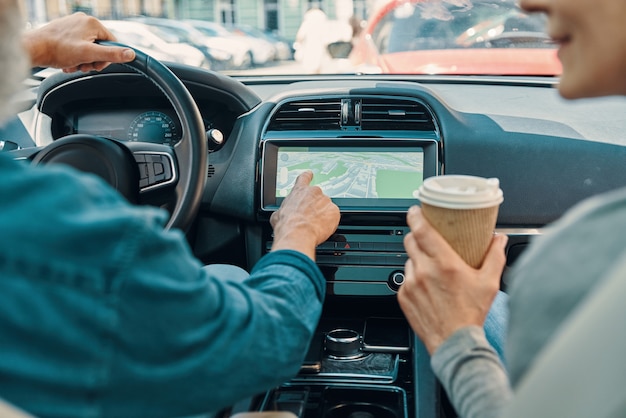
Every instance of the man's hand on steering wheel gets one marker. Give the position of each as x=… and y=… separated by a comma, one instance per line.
x=69, y=43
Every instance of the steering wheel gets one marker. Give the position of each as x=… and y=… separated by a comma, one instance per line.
x=172, y=177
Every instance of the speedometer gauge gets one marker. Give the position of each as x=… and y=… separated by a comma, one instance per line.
x=155, y=127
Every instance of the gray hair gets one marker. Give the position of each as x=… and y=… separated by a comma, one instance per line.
x=14, y=62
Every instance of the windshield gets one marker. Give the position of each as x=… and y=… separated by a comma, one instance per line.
x=265, y=37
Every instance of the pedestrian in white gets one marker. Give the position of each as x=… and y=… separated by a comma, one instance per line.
x=312, y=41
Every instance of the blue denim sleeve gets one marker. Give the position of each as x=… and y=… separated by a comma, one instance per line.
x=187, y=337
x=104, y=313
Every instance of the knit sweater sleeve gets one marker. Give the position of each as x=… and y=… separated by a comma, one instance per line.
x=472, y=374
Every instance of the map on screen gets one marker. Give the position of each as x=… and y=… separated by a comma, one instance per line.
x=353, y=174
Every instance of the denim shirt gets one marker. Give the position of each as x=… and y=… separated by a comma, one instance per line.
x=104, y=313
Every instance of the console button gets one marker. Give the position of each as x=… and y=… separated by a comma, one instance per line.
x=395, y=247
x=347, y=246
x=366, y=246
x=291, y=401
x=343, y=344
x=396, y=279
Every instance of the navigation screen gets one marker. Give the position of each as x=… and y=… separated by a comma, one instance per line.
x=347, y=173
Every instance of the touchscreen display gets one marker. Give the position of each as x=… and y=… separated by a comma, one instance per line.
x=363, y=173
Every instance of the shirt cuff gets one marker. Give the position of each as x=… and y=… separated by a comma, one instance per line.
x=465, y=341
x=299, y=261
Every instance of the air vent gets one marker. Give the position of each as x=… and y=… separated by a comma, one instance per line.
x=395, y=115
x=319, y=114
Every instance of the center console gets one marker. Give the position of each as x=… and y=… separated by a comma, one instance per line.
x=355, y=367
x=364, y=361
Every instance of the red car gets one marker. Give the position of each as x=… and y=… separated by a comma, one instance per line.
x=484, y=37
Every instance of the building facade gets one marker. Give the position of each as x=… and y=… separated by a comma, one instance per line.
x=282, y=16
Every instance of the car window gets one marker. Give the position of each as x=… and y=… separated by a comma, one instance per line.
x=248, y=37
x=420, y=26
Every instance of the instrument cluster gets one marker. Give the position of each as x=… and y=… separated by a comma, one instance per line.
x=153, y=124
x=155, y=127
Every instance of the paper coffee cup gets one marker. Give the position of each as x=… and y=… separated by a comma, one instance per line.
x=464, y=210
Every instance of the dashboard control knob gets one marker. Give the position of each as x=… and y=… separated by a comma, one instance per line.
x=215, y=136
x=396, y=279
x=343, y=343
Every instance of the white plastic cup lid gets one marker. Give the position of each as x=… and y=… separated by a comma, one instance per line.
x=461, y=192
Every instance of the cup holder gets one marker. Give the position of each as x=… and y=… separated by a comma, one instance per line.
x=360, y=410
x=363, y=402
x=338, y=401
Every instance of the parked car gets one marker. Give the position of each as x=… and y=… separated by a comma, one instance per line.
x=138, y=35
x=243, y=49
x=178, y=32
x=273, y=42
x=418, y=37
x=263, y=51
x=284, y=47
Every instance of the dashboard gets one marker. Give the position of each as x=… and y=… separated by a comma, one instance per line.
x=518, y=130
x=371, y=141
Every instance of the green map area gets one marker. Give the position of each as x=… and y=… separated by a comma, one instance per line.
x=365, y=174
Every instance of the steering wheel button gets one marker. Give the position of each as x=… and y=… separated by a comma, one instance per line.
x=158, y=169
x=143, y=170
x=167, y=169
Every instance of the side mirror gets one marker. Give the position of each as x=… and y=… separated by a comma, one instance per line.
x=340, y=49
